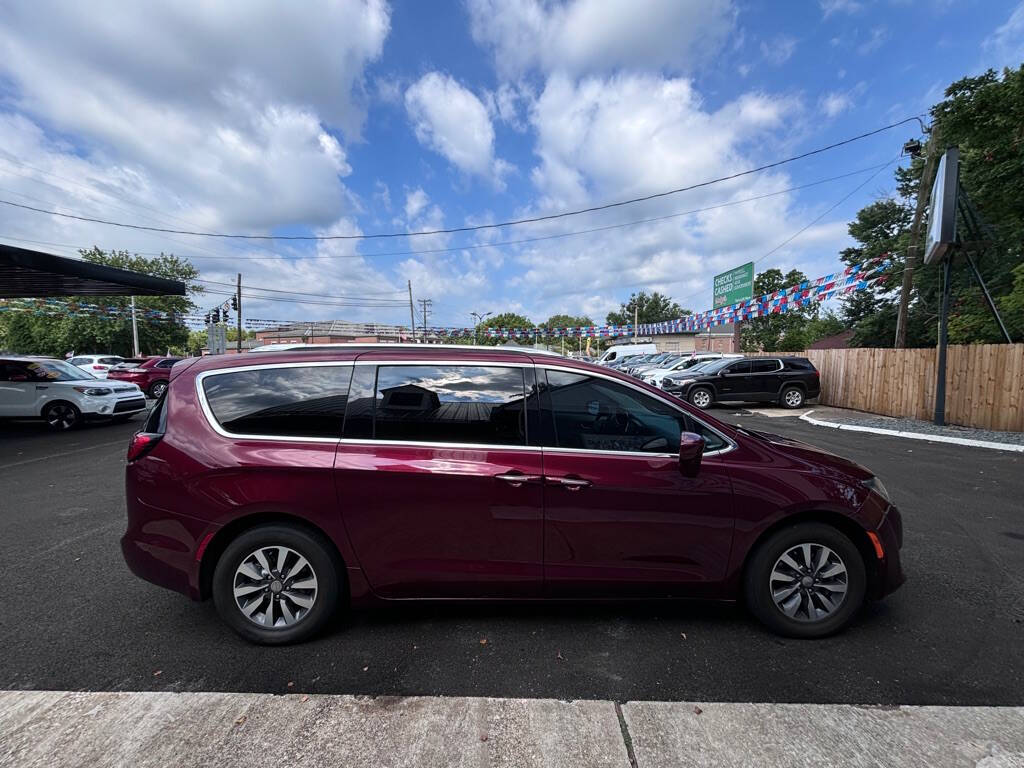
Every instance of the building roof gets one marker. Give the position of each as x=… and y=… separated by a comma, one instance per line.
x=34, y=274
x=839, y=340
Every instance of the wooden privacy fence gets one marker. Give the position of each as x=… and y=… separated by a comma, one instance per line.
x=984, y=383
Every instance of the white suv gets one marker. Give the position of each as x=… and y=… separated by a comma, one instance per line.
x=97, y=365
x=62, y=394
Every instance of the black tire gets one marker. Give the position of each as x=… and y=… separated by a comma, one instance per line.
x=325, y=566
x=157, y=388
x=757, y=581
x=62, y=416
x=792, y=397
x=701, y=397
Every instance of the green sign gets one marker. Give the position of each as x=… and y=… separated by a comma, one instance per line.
x=735, y=285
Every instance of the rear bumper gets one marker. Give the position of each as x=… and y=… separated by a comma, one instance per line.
x=890, y=567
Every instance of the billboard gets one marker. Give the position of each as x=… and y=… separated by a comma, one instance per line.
x=942, y=214
x=735, y=285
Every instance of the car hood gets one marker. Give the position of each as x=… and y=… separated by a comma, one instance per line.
x=818, y=456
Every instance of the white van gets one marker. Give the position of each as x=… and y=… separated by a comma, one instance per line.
x=619, y=351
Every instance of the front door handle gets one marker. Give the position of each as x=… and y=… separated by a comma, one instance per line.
x=516, y=479
x=572, y=483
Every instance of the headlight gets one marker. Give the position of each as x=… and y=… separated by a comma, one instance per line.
x=876, y=485
x=94, y=391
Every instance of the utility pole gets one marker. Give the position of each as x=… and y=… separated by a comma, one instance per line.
x=636, y=315
x=425, y=305
x=931, y=151
x=238, y=313
x=135, y=331
x=412, y=314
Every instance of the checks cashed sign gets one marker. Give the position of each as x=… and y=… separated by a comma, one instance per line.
x=735, y=285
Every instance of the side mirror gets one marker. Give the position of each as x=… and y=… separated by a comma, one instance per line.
x=691, y=449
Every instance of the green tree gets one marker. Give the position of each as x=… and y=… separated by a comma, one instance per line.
x=649, y=308
x=111, y=332
x=504, y=320
x=784, y=332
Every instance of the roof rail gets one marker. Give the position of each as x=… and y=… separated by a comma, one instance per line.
x=387, y=346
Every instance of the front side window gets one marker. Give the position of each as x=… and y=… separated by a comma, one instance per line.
x=445, y=404
x=301, y=401
x=591, y=413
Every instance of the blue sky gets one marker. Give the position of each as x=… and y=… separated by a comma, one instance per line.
x=353, y=117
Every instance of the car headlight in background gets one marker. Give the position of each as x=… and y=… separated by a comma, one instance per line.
x=876, y=485
x=94, y=391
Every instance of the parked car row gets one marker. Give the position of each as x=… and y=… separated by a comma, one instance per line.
x=289, y=484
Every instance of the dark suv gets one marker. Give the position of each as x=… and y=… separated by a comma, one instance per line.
x=285, y=485
x=788, y=381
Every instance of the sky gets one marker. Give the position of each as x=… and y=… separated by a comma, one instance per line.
x=360, y=117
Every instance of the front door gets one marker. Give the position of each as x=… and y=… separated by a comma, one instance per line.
x=620, y=518
x=440, y=493
x=734, y=381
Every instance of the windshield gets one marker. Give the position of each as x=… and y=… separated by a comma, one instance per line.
x=56, y=370
x=715, y=365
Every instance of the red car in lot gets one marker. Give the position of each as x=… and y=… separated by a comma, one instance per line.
x=287, y=484
x=151, y=375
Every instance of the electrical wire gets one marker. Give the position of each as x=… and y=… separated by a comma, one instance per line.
x=476, y=227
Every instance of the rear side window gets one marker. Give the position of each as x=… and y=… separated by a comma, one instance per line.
x=799, y=364
x=79, y=360
x=764, y=366
x=166, y=363
x=110, y=360
x=301, y=401
x=741, y=367
x=475, y=404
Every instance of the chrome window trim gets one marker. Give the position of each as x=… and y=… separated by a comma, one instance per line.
x=216, y=426
x=766, y=373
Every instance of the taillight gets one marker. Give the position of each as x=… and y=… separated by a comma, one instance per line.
x=141, y=444
x=99, y=367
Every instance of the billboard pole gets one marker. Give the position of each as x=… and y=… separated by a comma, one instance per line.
x=940, y=374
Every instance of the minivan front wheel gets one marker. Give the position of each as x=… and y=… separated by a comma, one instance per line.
x=276, y=584
x=807, y=580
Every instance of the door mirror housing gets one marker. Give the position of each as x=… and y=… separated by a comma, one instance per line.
x=691, y=449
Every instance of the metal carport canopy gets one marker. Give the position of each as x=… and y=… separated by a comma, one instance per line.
x=31, y=274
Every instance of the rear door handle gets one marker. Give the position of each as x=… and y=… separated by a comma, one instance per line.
x=571, y=483
x=516, y=479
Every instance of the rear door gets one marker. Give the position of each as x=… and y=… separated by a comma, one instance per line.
x=440, y=492
x=765, y=378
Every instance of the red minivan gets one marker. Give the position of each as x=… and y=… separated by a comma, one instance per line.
x=285, y=485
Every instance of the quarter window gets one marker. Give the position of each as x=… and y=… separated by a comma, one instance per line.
x=590, y=413
x=302, y=401
x=441, y=404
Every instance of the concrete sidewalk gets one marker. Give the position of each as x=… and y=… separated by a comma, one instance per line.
x=42, y=728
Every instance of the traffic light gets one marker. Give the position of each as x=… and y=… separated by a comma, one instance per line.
x=234, y=303
x=216, y=315
x=206, y=317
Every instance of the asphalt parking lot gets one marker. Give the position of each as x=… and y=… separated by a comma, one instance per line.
x=75, y=618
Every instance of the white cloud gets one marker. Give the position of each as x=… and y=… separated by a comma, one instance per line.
x=415, y=201
x=828, y=7
x=835, y=103
x=449, y=119
x=578, y=36
x=1005, y=46
x=875, y=40
x=778, y=50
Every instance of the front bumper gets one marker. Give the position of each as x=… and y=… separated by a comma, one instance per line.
x=890, y=568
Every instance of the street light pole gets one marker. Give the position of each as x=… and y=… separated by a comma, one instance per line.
x=477, y=319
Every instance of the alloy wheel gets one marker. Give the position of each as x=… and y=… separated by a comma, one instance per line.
x=701, y=398
x=61, y=416
x=808, y=582
x=275, y=587
x=158, y=390
x=794, y=398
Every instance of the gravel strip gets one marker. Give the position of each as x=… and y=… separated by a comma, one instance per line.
x=924, y=428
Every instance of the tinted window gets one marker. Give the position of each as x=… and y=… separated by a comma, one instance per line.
x=740, y=367
x=166, y=363
x=764, y=366
x=449, y=404
x=297, y=402
x=596, y=414
x=79, y=360
x=799, y=364
x=110, y=360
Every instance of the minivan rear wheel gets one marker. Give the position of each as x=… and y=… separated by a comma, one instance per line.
x=276, y=584
x=807, y=580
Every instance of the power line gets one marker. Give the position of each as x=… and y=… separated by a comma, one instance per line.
x=317, y=295
x=500, y=243
x=477, y=227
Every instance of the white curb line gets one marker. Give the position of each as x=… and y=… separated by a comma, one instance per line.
x=914, y=435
